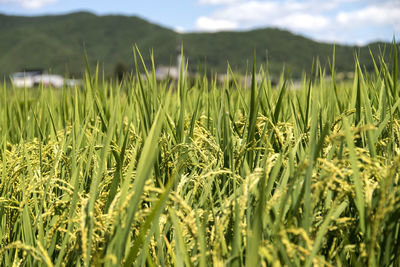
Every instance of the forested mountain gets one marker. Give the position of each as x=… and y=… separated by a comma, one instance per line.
x=57, y=44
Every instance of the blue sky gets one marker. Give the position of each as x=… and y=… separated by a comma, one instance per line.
x=341, y=21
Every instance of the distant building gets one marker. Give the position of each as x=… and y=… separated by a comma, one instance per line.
x=164, y=72
x=25, y=78
x=53, y=80
x=33, y=78
x=173, y=72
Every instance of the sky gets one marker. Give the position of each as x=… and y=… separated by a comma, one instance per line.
x=340, y=21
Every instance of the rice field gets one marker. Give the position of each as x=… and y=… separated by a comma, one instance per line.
x=171, y=173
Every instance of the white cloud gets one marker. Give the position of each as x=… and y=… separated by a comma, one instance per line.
x=212, y=25
x=287, y=14
x=29, y=4
x=386, y=14
x=346, y=21
x=248, y=12
x=179, y=29
x=303, y=22
x=217, y=2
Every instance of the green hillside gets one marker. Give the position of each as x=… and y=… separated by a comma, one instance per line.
x=57, y=43
x=294, y=52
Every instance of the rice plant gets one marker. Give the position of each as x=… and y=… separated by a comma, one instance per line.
x=161, y=173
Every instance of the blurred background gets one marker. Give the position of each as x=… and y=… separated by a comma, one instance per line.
x=51, y=36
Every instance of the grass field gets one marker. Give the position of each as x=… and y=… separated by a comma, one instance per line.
x=155, y=173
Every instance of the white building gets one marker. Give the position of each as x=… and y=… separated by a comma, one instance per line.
x=30, y=79
x=164, y=72
x=24, y=79
x=173, y=72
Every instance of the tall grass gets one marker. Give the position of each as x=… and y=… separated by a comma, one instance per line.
x=163, y=173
